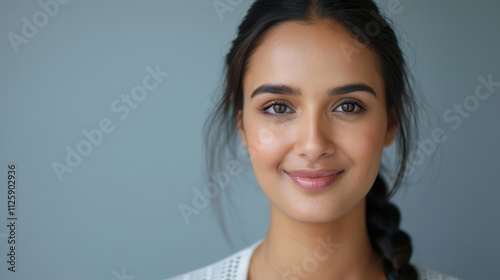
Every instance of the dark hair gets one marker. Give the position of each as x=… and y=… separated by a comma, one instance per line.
x=363, y=20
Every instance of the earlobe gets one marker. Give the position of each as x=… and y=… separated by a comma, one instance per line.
x=391, y=131
x=389, y=136
x=239, y=124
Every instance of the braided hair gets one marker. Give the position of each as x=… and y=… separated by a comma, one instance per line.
x=363, y=20
x=382, y=221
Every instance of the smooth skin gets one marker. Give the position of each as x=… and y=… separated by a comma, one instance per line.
x=315, y=130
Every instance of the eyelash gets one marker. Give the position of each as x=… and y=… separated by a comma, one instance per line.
x=270, y=104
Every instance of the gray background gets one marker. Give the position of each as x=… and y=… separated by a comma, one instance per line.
x=117, y=212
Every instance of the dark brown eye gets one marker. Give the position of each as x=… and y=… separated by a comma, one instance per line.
x=348, y=107
x=351, y=107
x=279, y=108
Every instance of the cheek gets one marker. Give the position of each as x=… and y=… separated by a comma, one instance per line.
x=266, y=145
x=363, y=144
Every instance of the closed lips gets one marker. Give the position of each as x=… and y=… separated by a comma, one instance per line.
x=313, y=173
x=314, y=180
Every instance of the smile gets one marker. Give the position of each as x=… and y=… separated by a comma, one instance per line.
x=316, y=183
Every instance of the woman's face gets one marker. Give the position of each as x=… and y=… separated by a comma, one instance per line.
x=312, y=128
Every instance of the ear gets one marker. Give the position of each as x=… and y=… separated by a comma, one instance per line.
x=390, y=133
x=239, y=124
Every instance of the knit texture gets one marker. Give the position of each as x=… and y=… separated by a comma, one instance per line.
x=235, y=267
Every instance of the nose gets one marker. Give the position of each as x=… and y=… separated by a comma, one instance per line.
x=314, y=136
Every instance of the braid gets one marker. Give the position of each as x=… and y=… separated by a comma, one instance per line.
x=382, y=219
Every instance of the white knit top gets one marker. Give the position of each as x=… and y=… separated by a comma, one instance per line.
x=235, y=267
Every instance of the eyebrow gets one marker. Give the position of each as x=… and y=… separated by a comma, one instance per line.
x=288, y=90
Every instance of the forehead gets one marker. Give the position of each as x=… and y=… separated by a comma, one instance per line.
x=314, y=55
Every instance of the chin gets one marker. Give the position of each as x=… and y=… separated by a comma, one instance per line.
x=315, y=213
x=310, y=219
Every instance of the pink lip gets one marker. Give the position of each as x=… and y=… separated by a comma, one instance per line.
x=314, y=180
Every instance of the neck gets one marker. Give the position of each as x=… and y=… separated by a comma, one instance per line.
x=338, y=249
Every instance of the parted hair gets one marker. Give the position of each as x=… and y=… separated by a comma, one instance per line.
x=363, y=20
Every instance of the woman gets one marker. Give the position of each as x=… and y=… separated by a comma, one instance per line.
x=316, y=90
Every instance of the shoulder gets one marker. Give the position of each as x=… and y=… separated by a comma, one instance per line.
x=233, y=267
x=425, y=273
x=227, y=267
